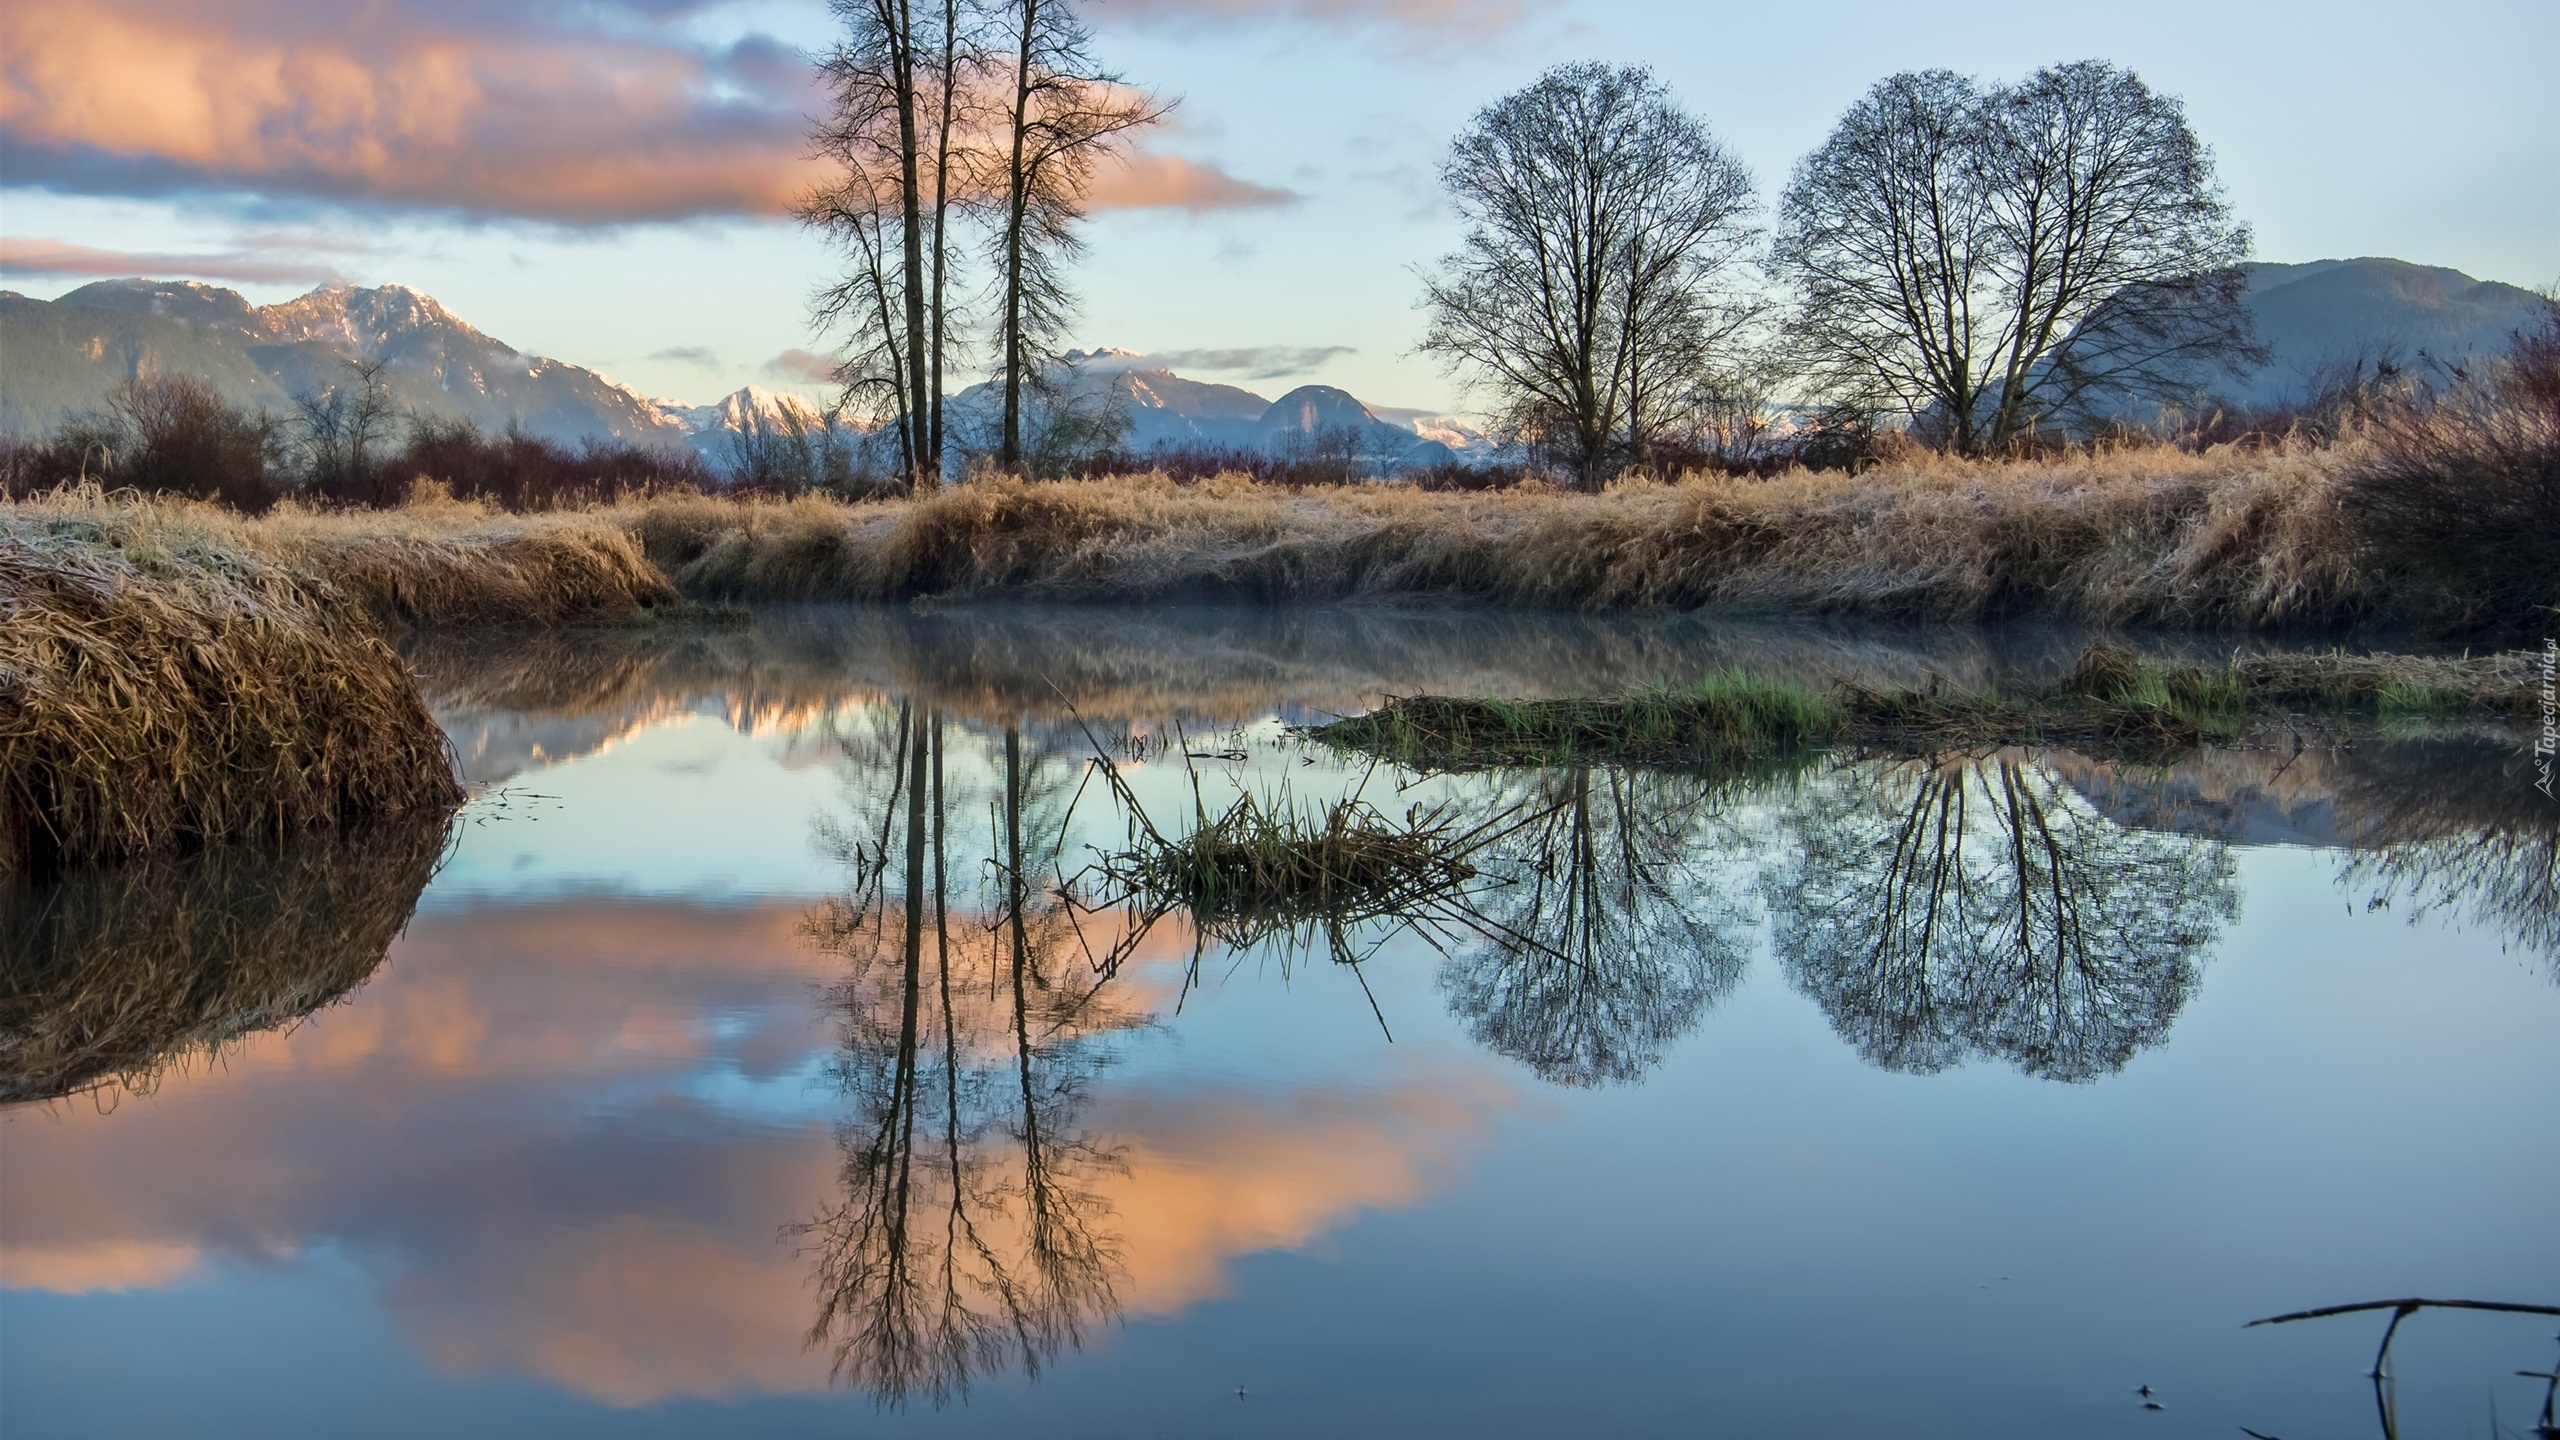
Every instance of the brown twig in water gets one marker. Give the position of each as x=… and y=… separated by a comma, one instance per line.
x=2385, y=1394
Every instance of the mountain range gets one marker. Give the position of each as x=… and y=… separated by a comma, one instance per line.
x=61, y=357
x=2328, y=312
x=1164, y=410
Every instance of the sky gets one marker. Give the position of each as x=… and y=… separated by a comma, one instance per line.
x=604, y=181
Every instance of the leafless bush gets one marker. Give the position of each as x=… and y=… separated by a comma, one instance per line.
x=162, y=435
x=517, y=471
x=2456, y=498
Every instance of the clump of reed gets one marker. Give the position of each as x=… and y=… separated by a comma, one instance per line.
x=1269, y=864
x=1267, y=868
x=164, y=700
x=2114, y=700
x=2458, y=496
x=762, y=550
x=112, y=975
x=440, y=563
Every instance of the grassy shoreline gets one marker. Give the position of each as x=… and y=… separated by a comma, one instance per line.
x=2115, y=703
x=2233, y=538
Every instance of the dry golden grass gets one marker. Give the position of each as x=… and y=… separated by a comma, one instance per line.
x=2139, y=534
x=152, y=697
x=433, y=562
x=118, y=973
x=2135, y=535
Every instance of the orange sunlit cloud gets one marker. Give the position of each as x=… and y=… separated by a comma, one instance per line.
x=631, y=1310
x=1148, y=182
x=385, y=106
x=33, y=255
x=410, y=105
x=110, y=1265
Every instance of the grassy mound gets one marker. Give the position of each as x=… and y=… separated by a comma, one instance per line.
x=498, y=576
x=2140, y=535
x=1269, y=869
x=143, y=708
x=434, y=563
x=2438, y=515
x=114, y=974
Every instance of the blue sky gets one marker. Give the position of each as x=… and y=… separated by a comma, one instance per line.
x=2341, y=130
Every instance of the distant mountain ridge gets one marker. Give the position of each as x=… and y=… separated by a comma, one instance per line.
x=1166, y=411
x=62, y=357
x=2325, y=312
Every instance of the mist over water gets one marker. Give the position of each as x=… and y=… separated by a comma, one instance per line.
x=776, y=1049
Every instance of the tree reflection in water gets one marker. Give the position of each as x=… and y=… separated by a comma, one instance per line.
x=2458, y=828
x=2505, y=880
x=971, y=1237
x=1943, y=910
x=1609, y=939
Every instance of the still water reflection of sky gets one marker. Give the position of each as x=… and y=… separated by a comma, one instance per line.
x=567, y=1163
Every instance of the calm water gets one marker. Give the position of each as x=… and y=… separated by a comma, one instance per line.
x=724, y=1079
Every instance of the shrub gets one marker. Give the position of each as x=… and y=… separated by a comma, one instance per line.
x=170, y=436
x=518, y=471
x=2457, y=501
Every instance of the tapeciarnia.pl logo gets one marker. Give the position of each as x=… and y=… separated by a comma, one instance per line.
x=2549, y=741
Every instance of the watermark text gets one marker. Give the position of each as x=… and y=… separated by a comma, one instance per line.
x=2548, y=742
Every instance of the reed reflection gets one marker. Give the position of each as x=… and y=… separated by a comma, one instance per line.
x=1940, y=910
x=1609, y=938
x=971, y=1236
x=112, y=975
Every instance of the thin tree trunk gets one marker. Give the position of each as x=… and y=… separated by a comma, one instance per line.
x=941, y=219
x=911, y=210
x=1017, y=207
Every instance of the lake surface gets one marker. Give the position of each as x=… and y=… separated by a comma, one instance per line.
x=774, y=1047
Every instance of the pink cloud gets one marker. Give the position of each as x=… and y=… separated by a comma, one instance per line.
x=1144, y=181
x=37, y=256
x=484, y=109
x=798, y=364
x=449, y=1124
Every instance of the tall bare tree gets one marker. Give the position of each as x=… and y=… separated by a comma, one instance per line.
x=1995, y=259
x=1600, y=220
x=1062, y=114
x=895, y=127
